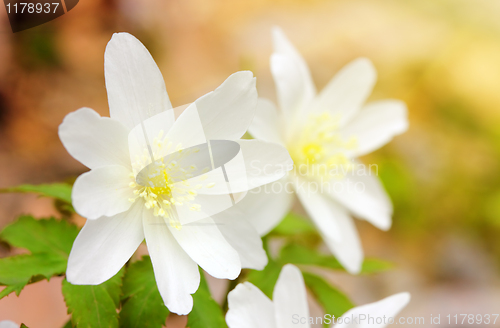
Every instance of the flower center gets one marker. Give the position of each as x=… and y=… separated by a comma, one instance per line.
x=321, y=148
x=163, y=185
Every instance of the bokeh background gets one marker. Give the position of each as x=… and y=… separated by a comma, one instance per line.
x=441, y=57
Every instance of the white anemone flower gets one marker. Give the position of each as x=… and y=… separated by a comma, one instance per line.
x=249, y=307
x=146, y=179
x=324, y=134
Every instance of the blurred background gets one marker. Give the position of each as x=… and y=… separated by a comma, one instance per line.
x=441, y=57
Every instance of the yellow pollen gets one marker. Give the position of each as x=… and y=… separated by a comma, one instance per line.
x=321, y=148
x=158, y=184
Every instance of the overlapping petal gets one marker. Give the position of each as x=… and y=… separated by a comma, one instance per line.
x=135, y=86
x=375, y=125
x=348, y=250
x=264, y=207
x=103, y=191
x=346, y=93
x=386, y=308
x=206, y=245
x=249, y=308
x=243, y=237
x=176, y=274
x=266, y=124
x=294, y=84
x=290, y=298
x=94, y=140
x=226, y=113
x=103, y=246
x=364, y=196
x=319, y=209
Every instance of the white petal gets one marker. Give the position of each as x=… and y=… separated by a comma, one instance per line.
x=204, y=243
x=258, y=163
x=363, y=195
x=376, y=124
x=265, y=162
x=290, y=298
x=243, y=237
x=347, y=91
x=319, y=209
x=348, y=250
x=136, y=90
x=264, y=207
x=8, y=324
x=249, y=308
x=226, y=113
x=387, y=308
x=103, y=246
x=266, y=124
x=94, y=140
x=176, y=274
x=103, y=191
x=187, y=130
x=294, y=84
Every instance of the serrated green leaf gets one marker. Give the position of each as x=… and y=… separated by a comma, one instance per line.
x=41, y=236
x=48, y=240
x=20, y=269
x=143, y=306
x=17, y=271
x=68, y=324
x=301, y=255
x=94, y=306
x=266, y=279
x=206, y=312
x=23, y=326
x=61, y=191
x=293, y=224
x=331, y=299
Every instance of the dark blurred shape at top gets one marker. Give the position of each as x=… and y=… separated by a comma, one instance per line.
x=27, y=14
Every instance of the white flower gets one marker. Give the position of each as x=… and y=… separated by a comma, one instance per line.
x=324, y=134
x=146, y=179
x=250, y=308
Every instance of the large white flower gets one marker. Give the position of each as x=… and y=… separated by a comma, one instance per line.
x=324, y=134
x=155, y=177
x=250, y=308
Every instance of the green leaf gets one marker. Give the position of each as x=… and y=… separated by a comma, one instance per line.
x=266, y=279
x=371, y=265
x=206, y=312
x=300, y=255
x=68, y=324
x=17, y=271
x=61, y=191
x=331, y=299
x=297, y=254
x=143, y=306
x=94, y=306
x=41, y=236
x=48, y=240
x=293, y=224
x=23, y=326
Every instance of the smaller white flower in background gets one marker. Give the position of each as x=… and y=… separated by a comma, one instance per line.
x=249, y=307
x=145, y=181
x=8, y=324
x=324, y=134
